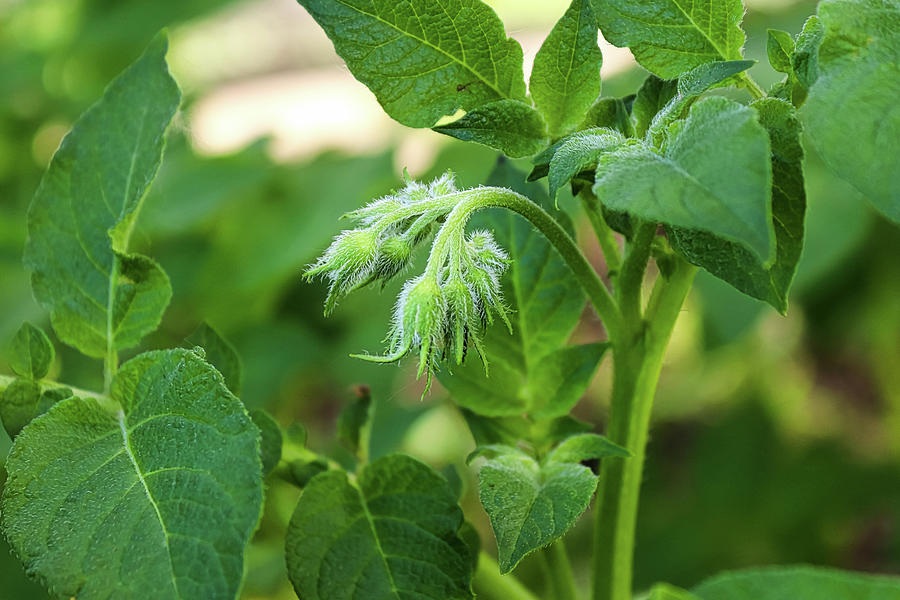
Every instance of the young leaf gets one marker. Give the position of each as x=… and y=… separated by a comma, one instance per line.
x=271, y=439
x=529, y=371
x=394, y=533
x=156, y=488
x=852, y=114
x=31, y=352
x=99, y=297
x=423, y=60
x=354, y=422
x=805, y=59
x=565, y=79
x=531, y=504
x=24, y=400
x=654, y=95
x=220, y=354
x=734, y=263
x=782, y=583
x=578, y=152
x=715, y=175
x=510, y=126
x=611, y=113
x=669, y=37
x=780, y=48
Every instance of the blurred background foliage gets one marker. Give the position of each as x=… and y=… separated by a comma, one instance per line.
x=777, y=439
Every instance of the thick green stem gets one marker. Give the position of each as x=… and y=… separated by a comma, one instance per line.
x=487, y=197
x=489, y=584
x=560, y=578
x=638, y=361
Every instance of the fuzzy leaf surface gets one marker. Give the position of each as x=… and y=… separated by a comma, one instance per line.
x=30, y=352
x=789, y=583
x=565, y=79
x=391, y=535
x=424, y=59
x=99, y=297
x=669, y=37
x=714, y=175
x=734, y=263
x=530, y=370
x=578, y=152
x=531, y=504
x=852, y=113
x=510, y=126
x=157, y=488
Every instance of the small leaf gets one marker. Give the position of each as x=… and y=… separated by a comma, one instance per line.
x=805, y=59
x=565, y=79
x=530, y=504
x=733, y=263
x=715, y=175
x=780, y=48
x=510, y=126
x=422, y=60
x=530, y=370
x=578, y=152
x=788, y=583
x=99, y=297
x=586, y=446
x=220, y=354
x=654, y=95
x=128, y=494
x=611, y=113
x=852, y=114
x=669, y=37
x=354, y=421
x=393, y=534
x=271, y=439
x=31, y=352
x=24, y=400
x=511, y=430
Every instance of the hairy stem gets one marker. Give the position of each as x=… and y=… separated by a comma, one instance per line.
x=638, y=361
x=489, y=584
x=751, y=86
x=606, y=237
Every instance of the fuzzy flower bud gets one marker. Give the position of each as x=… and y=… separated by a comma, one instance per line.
x=348, y=263
x=463, y=319
x=394, y=255
x=486, y=262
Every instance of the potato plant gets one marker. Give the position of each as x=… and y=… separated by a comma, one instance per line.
x=153, y=486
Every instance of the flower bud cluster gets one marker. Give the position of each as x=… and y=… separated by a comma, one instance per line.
x=382, y=245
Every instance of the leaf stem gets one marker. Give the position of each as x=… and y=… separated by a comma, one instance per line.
x=560, y=577
x=751, y=86
x=489, y=584
x=638, y=362
x=605, y=235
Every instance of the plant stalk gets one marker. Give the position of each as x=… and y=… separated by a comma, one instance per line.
x=560, y=578
x=489, y=584
x=638, y=361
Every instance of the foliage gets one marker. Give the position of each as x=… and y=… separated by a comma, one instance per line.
x=158, y=481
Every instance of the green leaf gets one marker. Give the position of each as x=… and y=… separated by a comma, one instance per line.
x=24, y=400
x=664, y=591
x=805, y=59
x=578, y=152
x=780, y=48
x=100, y=298
x=732, y=262
x=156, y=488
x=394, y=533
x=31, y=352
x=654, y=95
x=511, y=430
x=220, y=354
x=586, y=446
x=531, y=504
x=611, y=113
x=714, y=175
x=424, y=60
x=354, y=422
x=529, y=371
x=510, y=126
x=852, y=114
x=271, y=439
x=790, y=583
x=565, y=79
x=669, y=37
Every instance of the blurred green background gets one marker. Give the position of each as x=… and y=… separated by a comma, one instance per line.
x=777, y=439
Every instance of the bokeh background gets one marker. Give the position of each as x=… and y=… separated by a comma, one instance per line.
x=776, y=439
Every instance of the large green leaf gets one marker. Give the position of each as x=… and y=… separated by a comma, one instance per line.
x=532, y=503
x=793, y=583
x=565, y=79
x=852, y=114
x=424, y=59
x=529, y=371
x=734, y=263
x=669, y=37
x=510, y=126
x=156, y=488
x=392, y=534
x=714, y=175
x=100, y=298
